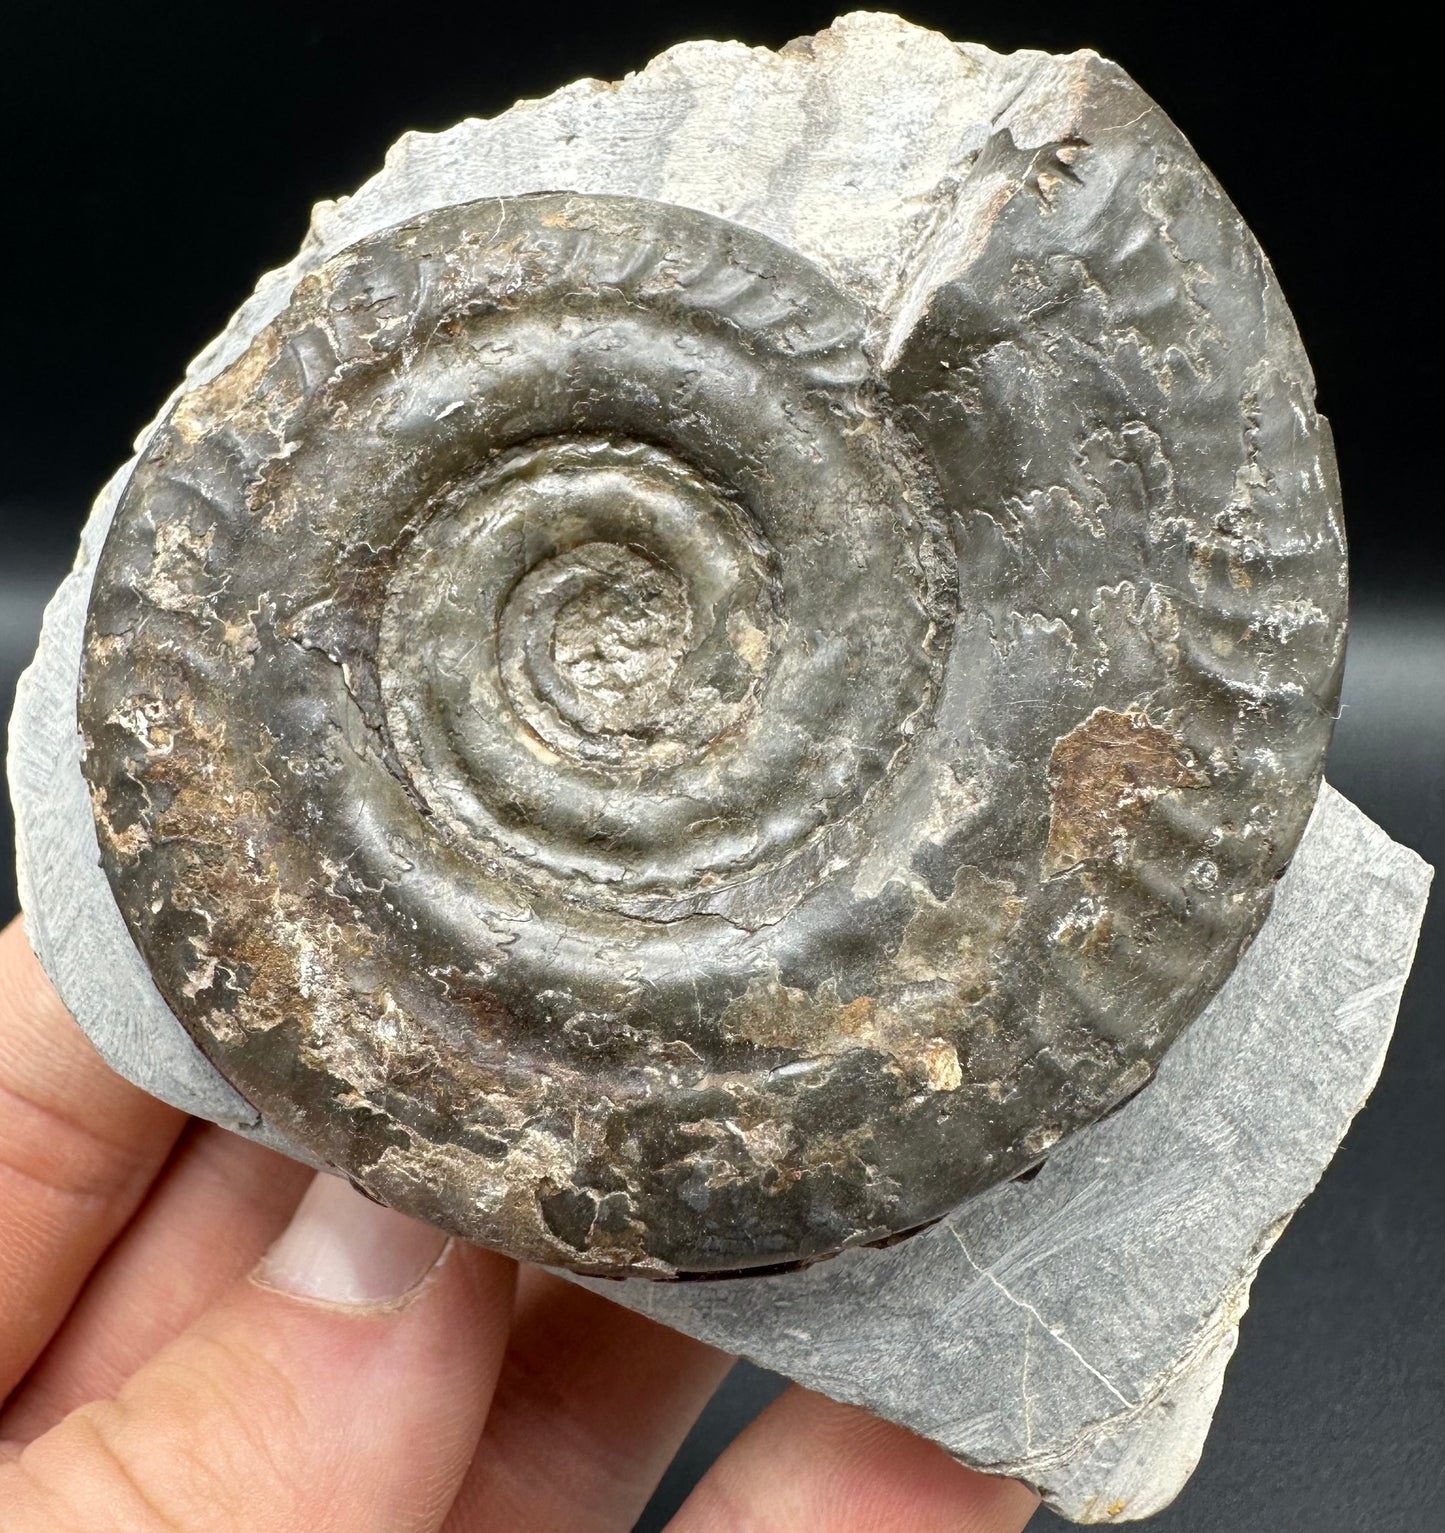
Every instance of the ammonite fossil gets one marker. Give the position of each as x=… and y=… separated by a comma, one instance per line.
x=659, y=751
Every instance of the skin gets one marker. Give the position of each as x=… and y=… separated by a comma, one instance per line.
x=161, y=1374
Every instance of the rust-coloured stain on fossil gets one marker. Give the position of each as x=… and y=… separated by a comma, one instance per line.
x=1102, y=776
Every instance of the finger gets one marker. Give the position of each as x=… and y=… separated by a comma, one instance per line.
x=807, y=1463
x=78, y=1148
x=211, y=1214
x=592, y=1403
x=343, y=1388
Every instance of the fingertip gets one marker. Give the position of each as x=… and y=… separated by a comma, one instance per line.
x=343, y=1384
x=341, y=1248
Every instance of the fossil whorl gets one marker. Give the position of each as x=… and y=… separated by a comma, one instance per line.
x=653, y=766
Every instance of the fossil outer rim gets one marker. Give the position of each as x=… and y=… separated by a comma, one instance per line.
x=1003, y=910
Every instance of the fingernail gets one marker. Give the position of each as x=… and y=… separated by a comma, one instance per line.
x=342, y=1248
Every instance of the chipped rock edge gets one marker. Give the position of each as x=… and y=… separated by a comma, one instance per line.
x=1073, y=1330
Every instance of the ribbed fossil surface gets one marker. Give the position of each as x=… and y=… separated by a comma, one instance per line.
x=676, y=717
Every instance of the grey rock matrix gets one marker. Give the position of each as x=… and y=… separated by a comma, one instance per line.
x=1073, y=1330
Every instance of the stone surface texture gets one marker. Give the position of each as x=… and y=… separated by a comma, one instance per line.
x=1073, y=1329
x=730, y=684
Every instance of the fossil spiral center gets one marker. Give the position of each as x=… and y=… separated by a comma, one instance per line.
x=573, y=660
x=591, y=642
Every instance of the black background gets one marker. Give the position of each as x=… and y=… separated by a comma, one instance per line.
x=158, y=156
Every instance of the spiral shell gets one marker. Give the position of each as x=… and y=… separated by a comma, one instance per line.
x=643, y=765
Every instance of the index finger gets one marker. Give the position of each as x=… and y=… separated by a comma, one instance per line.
x=79, y=1146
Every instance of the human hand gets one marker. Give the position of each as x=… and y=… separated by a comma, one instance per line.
x=184, y=1348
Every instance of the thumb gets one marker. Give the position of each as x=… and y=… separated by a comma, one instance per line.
x=343, y=1386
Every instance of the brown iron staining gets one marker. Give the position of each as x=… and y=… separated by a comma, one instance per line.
x=1103, y=775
